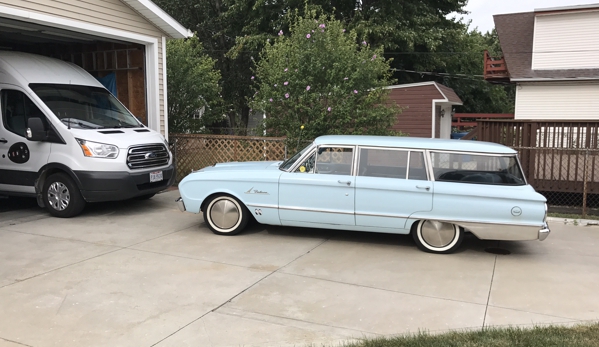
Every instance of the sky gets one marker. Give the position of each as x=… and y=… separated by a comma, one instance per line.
x=482, y=11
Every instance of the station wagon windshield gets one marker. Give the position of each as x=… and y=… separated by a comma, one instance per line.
x=287, y=164
x=85, y=107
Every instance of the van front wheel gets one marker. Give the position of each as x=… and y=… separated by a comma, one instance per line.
x=437, y=237
x=61, y=196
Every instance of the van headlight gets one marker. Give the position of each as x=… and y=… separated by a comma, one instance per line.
x=98, y=150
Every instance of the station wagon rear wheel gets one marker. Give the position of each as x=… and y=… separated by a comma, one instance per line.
x=437, y=237
x=225, y=215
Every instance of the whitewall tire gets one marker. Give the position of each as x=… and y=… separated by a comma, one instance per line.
x=225, y=215
x=437, y=237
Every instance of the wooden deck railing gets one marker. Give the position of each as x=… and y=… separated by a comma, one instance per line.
x=468, y=120
x=495, y=69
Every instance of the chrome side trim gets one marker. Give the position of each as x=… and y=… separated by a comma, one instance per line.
x=293, y=208
x=381, y=215
x=180, y=204
x=262, y=206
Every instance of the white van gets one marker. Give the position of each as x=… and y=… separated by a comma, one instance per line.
x=66, y=140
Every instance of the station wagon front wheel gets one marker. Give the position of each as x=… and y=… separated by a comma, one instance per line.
x=225, y=215
x=437, y=237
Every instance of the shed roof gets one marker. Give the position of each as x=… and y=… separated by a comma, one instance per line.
x=159, y=18
x=445, y=92
x=516, y=34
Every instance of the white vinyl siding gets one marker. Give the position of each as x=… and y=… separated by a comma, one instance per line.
x=109, y=13
x=557, y=101
x=566, y=41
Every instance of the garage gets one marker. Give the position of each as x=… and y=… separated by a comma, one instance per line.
x=120, y=42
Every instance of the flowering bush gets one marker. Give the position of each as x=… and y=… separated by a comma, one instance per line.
x=321, y=76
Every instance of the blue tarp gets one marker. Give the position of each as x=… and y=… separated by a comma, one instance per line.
x=109, y=81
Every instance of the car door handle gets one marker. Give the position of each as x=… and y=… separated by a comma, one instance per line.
x=344, y=182
x=424, y=187
x=3, y=140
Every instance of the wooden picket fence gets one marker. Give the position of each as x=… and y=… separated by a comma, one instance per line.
x=196, y=151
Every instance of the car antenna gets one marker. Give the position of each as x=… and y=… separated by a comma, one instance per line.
x=299, y=137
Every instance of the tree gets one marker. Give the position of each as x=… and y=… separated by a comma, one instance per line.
x=462, y=68
x=217, y=24
x=318, y=80
x=194, y=101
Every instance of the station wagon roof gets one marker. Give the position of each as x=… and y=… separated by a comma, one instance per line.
x=414, y=142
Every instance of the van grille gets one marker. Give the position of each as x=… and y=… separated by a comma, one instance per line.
x=147, y=156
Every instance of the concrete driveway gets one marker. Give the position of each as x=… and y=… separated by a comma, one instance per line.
x=141, y=273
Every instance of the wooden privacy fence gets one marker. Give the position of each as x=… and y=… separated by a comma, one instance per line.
x=559, y=158
x=196, y=151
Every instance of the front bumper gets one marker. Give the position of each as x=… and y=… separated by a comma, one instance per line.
x=99, y=186
x=543, y=233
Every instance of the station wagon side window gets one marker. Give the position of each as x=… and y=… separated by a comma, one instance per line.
x=417, y=168
x=477, y=168
x=392, y=163
x=328, y=160
x=308, y=165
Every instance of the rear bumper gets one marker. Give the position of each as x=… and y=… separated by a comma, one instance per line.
x=506, y=232
x=544, y=232
x=99, y=186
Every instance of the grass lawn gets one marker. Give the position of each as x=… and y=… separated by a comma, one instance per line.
x=540, y=336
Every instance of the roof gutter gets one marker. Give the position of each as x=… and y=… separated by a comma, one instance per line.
x=549, y=79
x=160, y=18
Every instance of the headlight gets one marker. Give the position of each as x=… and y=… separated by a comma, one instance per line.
x=98, y=150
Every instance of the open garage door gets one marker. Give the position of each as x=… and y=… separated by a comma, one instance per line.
x=102, y=57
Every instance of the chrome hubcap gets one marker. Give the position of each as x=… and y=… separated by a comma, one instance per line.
x=224, y=214
x=58, y=196
x=438, y=234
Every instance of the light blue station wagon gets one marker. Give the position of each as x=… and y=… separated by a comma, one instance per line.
x=434, y=189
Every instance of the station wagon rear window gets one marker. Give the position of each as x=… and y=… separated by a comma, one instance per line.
x=475, y=168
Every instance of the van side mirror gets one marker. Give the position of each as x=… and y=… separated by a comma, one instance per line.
x=35, y=129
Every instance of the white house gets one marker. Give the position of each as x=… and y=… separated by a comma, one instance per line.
x=552, y=55
x=124, y=37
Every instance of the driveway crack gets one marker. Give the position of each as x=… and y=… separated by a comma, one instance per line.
x=241, y=292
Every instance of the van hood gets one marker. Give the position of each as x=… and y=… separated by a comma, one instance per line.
x=121, y=137
x=247, y=165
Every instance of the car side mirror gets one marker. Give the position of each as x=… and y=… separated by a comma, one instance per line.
x=35, y=129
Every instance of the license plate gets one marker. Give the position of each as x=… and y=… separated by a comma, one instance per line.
x=155, y=176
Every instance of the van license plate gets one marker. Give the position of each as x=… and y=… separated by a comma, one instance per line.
x=155, y=176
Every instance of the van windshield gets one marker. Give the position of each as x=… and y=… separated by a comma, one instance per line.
x=85, y=107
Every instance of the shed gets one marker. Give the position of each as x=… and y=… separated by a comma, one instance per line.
x=426, y=109
x=126, y=38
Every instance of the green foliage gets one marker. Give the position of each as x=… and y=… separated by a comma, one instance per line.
x=418, y=35
x=192, y=85
x=478, y=95
x=318, y=76
x=217, y=24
